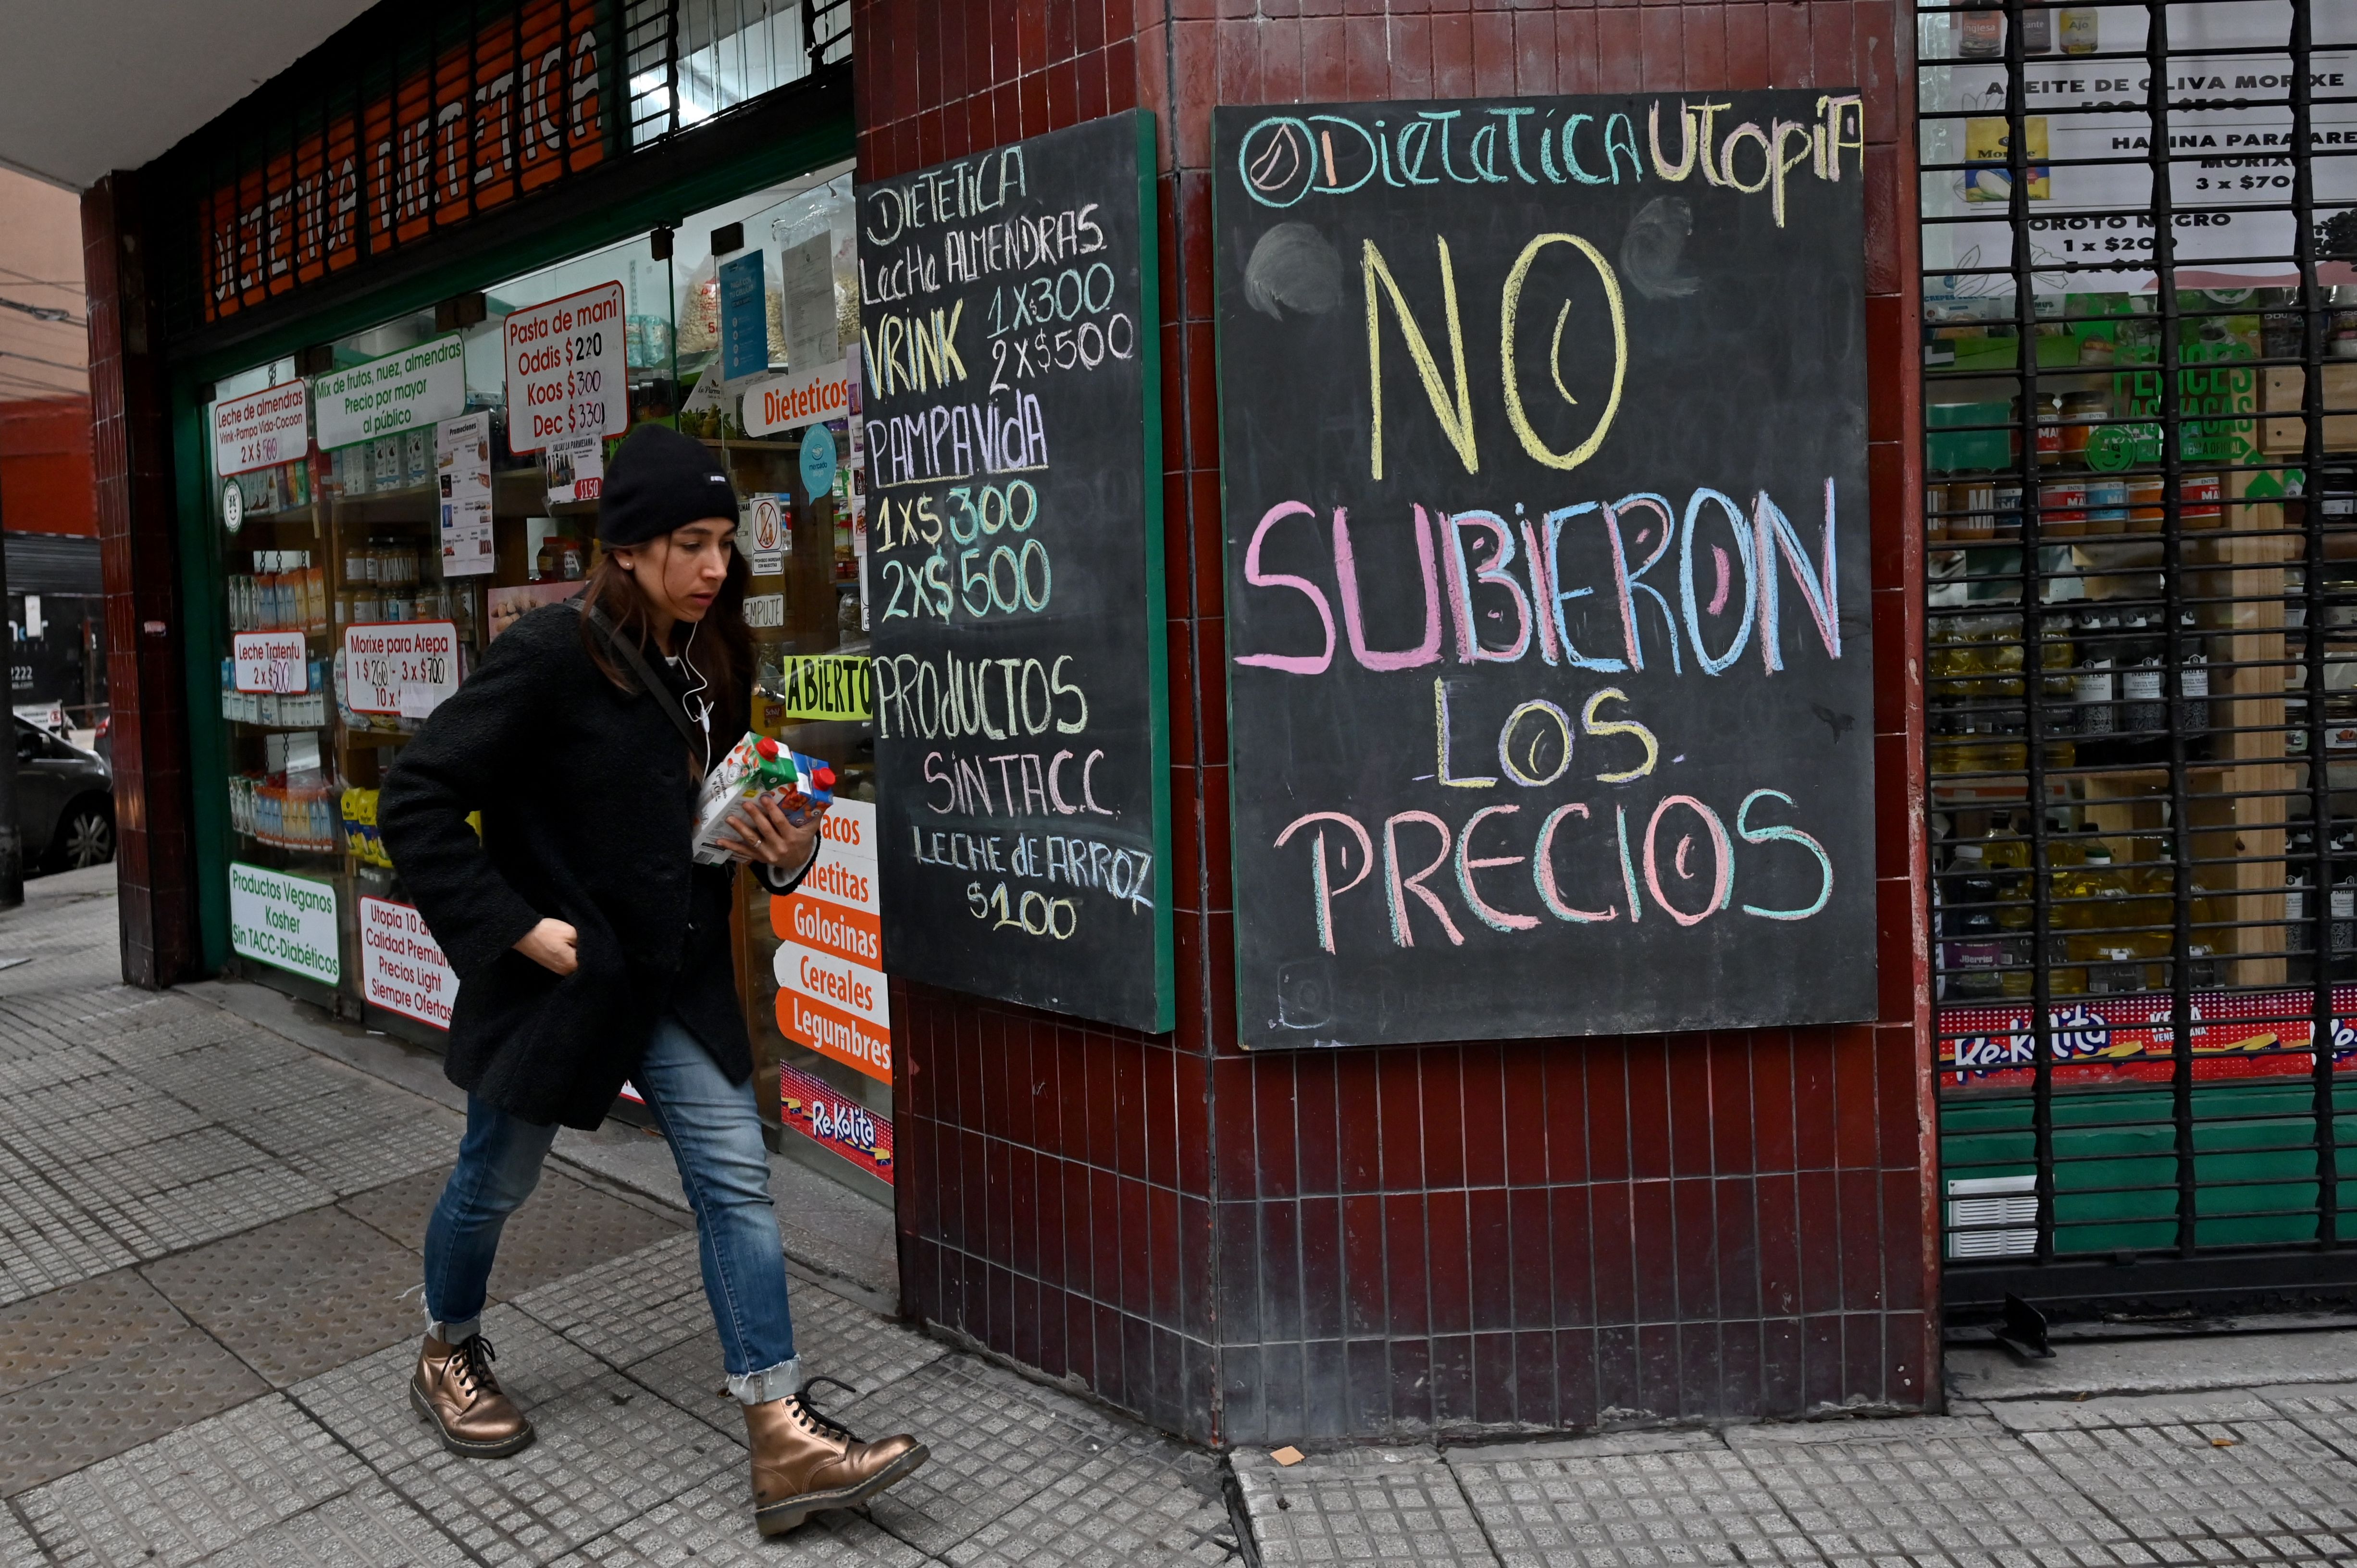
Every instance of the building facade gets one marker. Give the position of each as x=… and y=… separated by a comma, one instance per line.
x=1748, y=1177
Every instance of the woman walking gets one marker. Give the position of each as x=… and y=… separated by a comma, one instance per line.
x=592, y=949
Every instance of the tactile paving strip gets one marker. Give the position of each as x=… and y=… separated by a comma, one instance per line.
x=711, y=1526
x=637, y=1305
x=139, y=1392
x=1372, y=1506
x=236, y=1076
x=2242, y=1491
x=1935, y=1491
x=109, y=1132
x=207, y=1210
x=85, y=1017
x=64, y=1101
x=366, y=1403
x=148, y=1169
x=606, y=1452
x=1145, y=1501
x=371, y=1526
x=140, y=1048
x=564, y=1226
x=994, y=1447
x=46, y=1241
x=691, y=1375
x=202, y=1488
x=298, y=1297
x=60, y=1329
x=833, y=1337
x=423, y=1143
x=358, y=1110
x=263, y=1089
x=17, y=1547
x=2128, y=1410
x=61, y=1065
x=1639, y=1498
x=2326, y=1412
x=839, y=1339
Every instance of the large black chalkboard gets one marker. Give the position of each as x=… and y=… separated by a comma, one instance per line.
x=1013, y=430
x=1459, y=814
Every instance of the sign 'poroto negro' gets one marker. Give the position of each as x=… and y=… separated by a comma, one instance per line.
x=1544, y=439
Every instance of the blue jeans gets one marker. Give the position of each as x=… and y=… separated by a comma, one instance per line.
x=715, y=1136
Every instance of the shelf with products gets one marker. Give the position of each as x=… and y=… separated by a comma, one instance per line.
x=2237, y=683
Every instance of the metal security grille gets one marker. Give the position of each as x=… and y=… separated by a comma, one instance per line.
x=417, y=118
x=2140, y=390
x=690, y=60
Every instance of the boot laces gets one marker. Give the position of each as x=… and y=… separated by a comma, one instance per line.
x=817, y=1418
x=471, y=1363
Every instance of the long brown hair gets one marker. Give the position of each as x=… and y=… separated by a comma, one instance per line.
x=723, y=650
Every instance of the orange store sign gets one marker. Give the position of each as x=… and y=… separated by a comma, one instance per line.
x=525, y=106
x=831, y=994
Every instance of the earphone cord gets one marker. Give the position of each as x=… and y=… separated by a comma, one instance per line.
x=692, y=699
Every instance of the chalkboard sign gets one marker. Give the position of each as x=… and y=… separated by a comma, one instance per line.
x=1550, y=683
x=1009, y=336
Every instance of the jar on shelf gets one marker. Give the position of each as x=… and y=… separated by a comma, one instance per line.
x=2082, y=413
x=2107, y=506
x=1972, y=513
x=2046, y=421
x=2063, y=509
x=2197, y=500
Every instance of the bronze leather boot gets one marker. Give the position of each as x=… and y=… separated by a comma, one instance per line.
x=454, y=1391
x=804, y=1461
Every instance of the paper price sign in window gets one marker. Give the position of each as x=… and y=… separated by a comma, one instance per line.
x=403, y=969
x=400, y=667
x=275, y=661
x=262, y=429
x=566, y=373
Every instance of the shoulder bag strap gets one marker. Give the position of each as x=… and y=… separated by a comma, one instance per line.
x=698, y=744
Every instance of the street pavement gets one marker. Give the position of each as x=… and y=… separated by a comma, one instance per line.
x=210, y=1202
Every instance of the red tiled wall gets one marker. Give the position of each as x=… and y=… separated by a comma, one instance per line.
x=1262, y=1248
x=130, y=449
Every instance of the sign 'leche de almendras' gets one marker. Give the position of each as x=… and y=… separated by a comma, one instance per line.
x=1543, y=440
x=1008, y=327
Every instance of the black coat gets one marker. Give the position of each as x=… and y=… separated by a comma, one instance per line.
x=587, y=800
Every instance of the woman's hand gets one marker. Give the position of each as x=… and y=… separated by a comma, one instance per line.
x=552, y=945
x=762, y=831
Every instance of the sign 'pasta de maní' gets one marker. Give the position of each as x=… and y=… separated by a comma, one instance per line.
x=1543, y=440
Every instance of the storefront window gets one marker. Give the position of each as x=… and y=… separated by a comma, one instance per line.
x=389, y=504
x=2141, y=562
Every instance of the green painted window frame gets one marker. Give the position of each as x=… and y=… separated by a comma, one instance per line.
x=652, y=199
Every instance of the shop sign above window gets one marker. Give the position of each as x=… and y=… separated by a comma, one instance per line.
x=520, y=105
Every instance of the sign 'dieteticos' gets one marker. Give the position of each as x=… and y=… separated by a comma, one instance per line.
x=1008, y=349
x=1544, y=426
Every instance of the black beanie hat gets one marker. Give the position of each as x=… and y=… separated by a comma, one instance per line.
x=662, y=480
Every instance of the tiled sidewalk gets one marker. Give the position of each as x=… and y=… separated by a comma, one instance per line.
x=208, y=1308
x=2261, y=1478
x=209, y=1207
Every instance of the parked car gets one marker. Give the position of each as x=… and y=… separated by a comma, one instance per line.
x=65, y=802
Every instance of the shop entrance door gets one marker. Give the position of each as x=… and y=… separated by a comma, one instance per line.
x=2140, y=397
